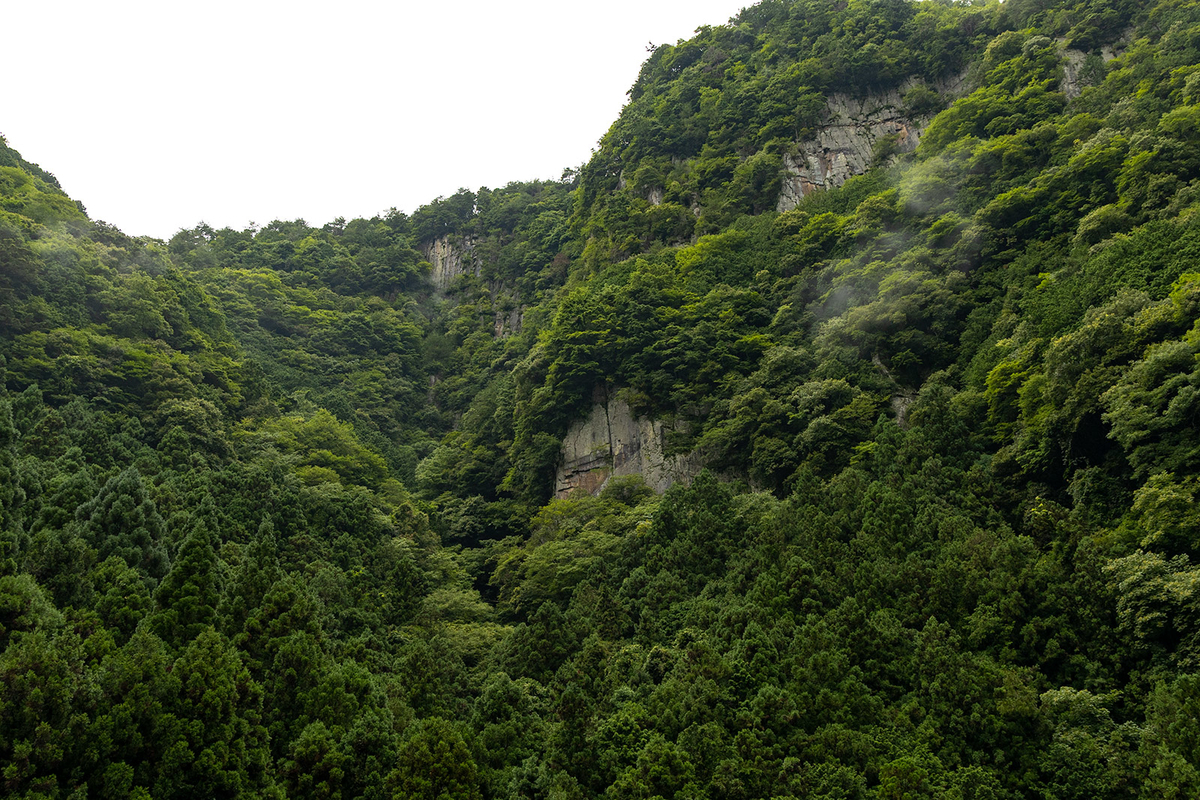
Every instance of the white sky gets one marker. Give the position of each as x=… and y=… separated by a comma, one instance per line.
x=157, y=115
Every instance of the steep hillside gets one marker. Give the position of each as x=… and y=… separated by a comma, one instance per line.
x=831, y=433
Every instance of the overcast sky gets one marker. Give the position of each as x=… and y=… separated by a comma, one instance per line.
x=157, y=115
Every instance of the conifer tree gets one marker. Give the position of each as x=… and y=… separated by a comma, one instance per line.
x=130, y=725
x=187, y=597
x=280, y=643
x=70, y=487
x=287, y=608
x=316, y=766
x=12, y=496
x=41, y=675
x=24, y=607
x=122, y=520
x=254, y=577
x=370, y=746
x=435, y=763
x=220, y=749
x=122, y=600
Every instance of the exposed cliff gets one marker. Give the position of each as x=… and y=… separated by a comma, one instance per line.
x=612, y=441
x=508, y=313
x=855, y=129
x=450, y=257
x=1081, y=70
x=850, y=138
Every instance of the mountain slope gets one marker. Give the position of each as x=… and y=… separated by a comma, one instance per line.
x=278, y=505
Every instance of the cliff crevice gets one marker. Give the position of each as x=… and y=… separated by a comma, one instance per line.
x=612, y=441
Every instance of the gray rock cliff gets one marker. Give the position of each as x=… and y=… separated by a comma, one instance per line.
x=1075, y=78
x=450, y=257
x=612, y=441
x=845, y=143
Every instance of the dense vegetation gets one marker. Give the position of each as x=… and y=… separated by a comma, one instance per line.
x=277, y=513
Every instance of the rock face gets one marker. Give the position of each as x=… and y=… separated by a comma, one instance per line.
x=845, y=144
x=1074, y=81
x=450, y=256
x=612, y=441
x=506, y=321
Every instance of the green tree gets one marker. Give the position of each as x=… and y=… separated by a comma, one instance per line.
x=254, y=577
x=40, y=722
x=187, y=597
x=219, y=748
x=12, y=496
x=434, y=763
x=122, y=600
x=316, y=765
x=131, y=725
x=122, y=520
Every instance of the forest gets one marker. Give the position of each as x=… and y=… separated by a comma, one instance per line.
x=279, y=514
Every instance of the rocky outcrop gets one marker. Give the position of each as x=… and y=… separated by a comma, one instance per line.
x=1075, y=77
x=450, y=257
x=847, y=140
x=507, y=321
x=612, y=441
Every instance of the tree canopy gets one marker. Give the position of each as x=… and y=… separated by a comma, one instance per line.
x=278, y=510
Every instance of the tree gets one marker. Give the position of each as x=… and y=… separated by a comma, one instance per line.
x=219, y=748
x=122, y=600
x=434, y=763
x=255, y=575
x=187, y=597
x=316, y=766
x=122, y=520
x=12, y=496
x=40, y=724
x=131, y=725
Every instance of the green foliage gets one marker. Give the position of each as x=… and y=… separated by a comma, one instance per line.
x=323, y=448
x=188, y=595
x=30, y=196
x=122, y=520
x=434, y=764
x=38, y=714
x=707, y=117
x=248, y=586
x=220, y=749
x=121, y=597
x=277, y=505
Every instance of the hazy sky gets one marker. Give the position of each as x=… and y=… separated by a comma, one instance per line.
x=157, y=115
